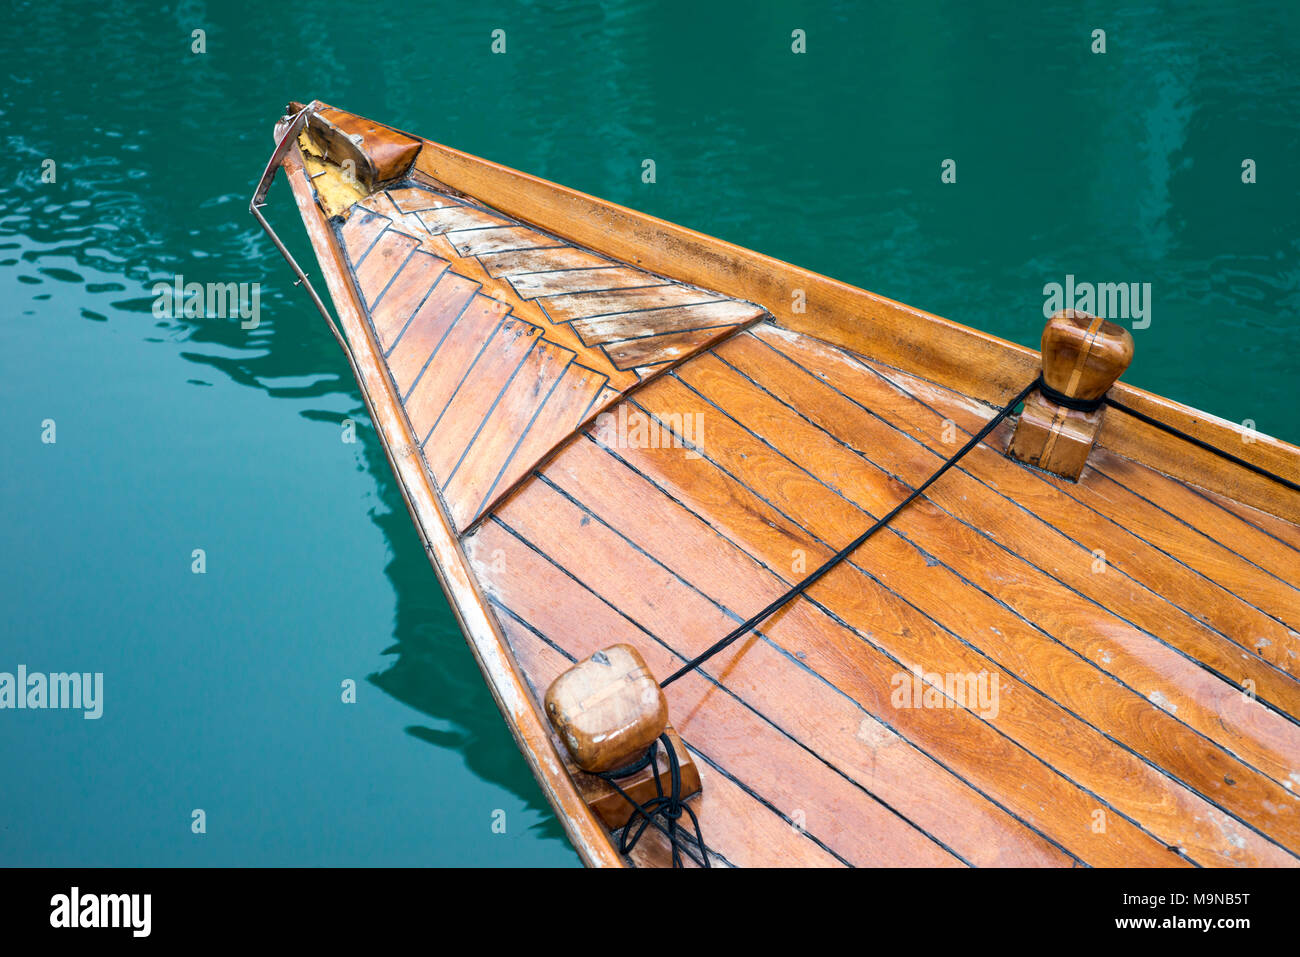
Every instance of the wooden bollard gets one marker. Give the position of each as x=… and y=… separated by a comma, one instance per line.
x=608, y=710
x=1082, y=357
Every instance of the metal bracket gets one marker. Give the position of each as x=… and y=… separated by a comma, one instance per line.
x=258, y=202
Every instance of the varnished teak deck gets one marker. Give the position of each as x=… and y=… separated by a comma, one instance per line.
x=1138, y=633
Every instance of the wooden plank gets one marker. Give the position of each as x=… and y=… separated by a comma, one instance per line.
x=380, y=205
x=929, y=587
x=423, y=335
x=1237, y=579
x=646, y=358
x=1193, y=506
x=1157, y=667
x=1135, y=493
x=412, y=285
x=541, y=260
x=438, y=221
x=534, y=284
x=565, y=308
x=651, y=350
x=1173, y=561
x=841, y=731
x=1024, y=534
x=612, y=328
x=462, y=344
x=475, y=242
x=1174, y=456
x=1282, y=530
x=837, y=813
x=487, y=461
x=412, y=199
x=360, y=231
x=412, y=224
x=866, y=671
x=576, y=396
x=485, y=380
x=382, y=262
x=561, y=334
x=965, y=359
x=476, y=621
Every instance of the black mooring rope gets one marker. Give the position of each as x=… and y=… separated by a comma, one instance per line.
x=1083, y=405
x=1060, y=398
x=669, y=806
x=848, y=549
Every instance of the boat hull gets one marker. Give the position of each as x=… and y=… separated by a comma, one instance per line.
x=612, y=429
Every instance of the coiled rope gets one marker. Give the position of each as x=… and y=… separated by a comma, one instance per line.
x=669, y=806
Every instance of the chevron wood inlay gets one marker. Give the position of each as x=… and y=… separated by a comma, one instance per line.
x=501, y=339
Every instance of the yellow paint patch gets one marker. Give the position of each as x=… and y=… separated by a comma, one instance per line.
x=337, y=189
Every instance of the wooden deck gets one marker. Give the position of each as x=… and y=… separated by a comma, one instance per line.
x=1120, y=733
x=1019, y=671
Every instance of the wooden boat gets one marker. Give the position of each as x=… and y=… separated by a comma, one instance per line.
x=611, y=429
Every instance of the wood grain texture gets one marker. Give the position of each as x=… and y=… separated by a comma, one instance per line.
x=739, y=829
x=1124, y=751
x=517, y=411
x=842, y=817
x=1288, y=532
x=541, y=260
x=1167, y=517
x=532, y=285
x=423, y=335
x=871, y=752
x=918, y=575
x=1024, y=562
x=404, y=296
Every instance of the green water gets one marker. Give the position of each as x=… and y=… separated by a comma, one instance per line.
x=222, y=689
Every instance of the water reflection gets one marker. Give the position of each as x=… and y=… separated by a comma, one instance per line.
x=428, y=670
x=155, y=153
